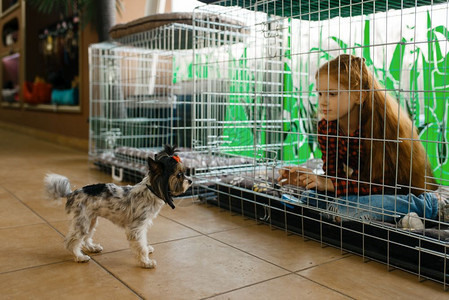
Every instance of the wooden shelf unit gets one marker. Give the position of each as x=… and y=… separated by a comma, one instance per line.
x=29, y=22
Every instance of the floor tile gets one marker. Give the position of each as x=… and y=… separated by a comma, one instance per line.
x=286, y=287
x=15, y=213
x=372, y=280
x=29, y=246
x=288, y=251
x=63, y=281
x=189, y=269
x=50, y=210
x=109, y=236
x=201, y=250
x=205, y=218
x=113, y=238
x=34, y=196
x=164, y=230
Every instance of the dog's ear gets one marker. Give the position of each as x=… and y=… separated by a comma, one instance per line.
x=168, y=197
x=154, y=167
x=168, y=151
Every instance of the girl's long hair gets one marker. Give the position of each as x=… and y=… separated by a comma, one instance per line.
x=393, y=153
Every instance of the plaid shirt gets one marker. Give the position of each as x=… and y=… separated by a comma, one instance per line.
x=343, y=167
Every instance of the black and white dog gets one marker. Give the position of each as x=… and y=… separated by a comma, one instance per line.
x=131, y=207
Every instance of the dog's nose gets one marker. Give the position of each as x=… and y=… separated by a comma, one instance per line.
x=190, y=181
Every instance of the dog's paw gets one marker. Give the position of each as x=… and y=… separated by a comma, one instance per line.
x=82, y=258
x=150, y=249
x=148, y=264
x=93, y=248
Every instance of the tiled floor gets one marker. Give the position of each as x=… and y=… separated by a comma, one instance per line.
x=201, y=251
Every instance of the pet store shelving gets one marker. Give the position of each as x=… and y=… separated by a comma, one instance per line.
x=267, y=111
x=36, y=49
x=11, y=52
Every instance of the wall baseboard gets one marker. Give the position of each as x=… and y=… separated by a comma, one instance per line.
x=72, y=142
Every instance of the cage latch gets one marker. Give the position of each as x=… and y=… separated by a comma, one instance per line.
x=114, y=176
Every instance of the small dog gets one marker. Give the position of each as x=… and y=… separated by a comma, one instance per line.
x=131, y=207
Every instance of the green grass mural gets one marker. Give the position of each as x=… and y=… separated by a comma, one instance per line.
x=238, y=131
x=434, y=130
x=297, y=147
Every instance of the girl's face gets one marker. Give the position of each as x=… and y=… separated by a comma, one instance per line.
x=334, y=99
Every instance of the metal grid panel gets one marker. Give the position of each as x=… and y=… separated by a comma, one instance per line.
x=322, y=10
x=238, y=111
x=141, y=88
x=258, y=97
x=140, y=98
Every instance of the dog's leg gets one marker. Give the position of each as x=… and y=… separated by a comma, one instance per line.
x=74, y=239
x=150, y=248
x=88, y=243
x=137, y=237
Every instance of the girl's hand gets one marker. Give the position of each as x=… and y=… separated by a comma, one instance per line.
x=290, y=175
x=305, y=178
x=311, y=181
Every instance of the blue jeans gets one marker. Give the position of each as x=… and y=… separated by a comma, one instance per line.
x=386, y=208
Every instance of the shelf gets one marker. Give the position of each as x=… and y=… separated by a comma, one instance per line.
x=10, y=29
x=12, y=50
x=24, y=31
x=53, y=107
x=10, y=9
x=15, y=105
x=42, y=107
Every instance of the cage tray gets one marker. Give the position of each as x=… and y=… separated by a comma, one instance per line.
x=419, y=252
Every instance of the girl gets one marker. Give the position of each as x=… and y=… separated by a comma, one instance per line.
x=374, y=162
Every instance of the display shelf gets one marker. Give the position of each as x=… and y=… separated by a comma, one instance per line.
x=53, y=108
x=37, y=39
x=15, y=105
x=10, y=26
x=9, y=8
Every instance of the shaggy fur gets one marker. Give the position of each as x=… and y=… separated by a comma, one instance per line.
x=131, y=207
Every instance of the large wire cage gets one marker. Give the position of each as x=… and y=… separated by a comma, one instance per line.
x=140, y=98
x=141, y=90
x=259, y=105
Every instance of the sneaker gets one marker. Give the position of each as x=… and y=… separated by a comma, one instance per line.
x=333, y=208
x=411, y=221
x=442, y=194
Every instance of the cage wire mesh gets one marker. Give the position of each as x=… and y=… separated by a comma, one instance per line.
x=141, y=88
x=260, y=98
x=140, y=98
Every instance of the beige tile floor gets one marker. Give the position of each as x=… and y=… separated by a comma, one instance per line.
x=201, y=251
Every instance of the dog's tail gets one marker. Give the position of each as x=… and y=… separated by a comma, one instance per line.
x=56, y=186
